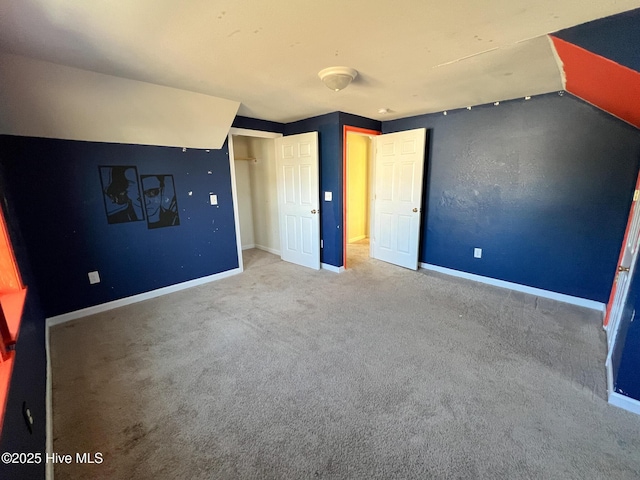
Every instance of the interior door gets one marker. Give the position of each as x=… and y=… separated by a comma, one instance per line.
x=399, y=169
x=299, y=199
x=626, y=265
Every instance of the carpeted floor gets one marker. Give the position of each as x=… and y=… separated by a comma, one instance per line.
x=378, y=372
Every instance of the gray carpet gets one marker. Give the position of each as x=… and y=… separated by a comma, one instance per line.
x=379, y=372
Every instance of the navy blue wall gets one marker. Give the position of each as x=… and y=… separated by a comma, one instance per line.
x=542, y=186
x=28, y=383
x=616, y=38
x=257, y=124
x=59, y=201
x=330, y=137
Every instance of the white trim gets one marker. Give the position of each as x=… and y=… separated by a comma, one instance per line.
x=561, y=297
x=48, y=404
x=234, y=201
x=268, y=249
x=622, y=401
x=609, y=371
x=253, y=133
x=247, y=247
x=103, y=307
x=332, y=268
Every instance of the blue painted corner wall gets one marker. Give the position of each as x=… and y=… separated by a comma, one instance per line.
x=58, y=198
x=616, y=37
x=257, y=124
x=542, y=186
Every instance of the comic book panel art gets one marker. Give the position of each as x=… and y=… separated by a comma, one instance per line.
x=160, y=203
x=121, y=194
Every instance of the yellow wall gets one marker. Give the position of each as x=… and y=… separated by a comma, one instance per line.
x=357, y=187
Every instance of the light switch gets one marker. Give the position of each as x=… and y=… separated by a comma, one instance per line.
x=477, y=253
x=94, y=277
x=213, y=199
x=328, y=196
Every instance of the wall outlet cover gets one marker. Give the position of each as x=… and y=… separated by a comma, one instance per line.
x=94, y=277
x=477, y=253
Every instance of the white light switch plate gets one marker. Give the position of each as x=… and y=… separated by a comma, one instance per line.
x=328, y=196
x=94, y=277
x=477, y=253
x=213, y=199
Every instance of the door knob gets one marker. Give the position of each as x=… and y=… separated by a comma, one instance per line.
x=623, y=269
x=314, y=211
x=415, y=210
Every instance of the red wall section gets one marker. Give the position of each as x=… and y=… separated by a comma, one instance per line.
x=601, y=82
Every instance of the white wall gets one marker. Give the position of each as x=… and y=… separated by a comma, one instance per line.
x=245, y=208
x=264, y=194
x=42, y=99
x=257, y=192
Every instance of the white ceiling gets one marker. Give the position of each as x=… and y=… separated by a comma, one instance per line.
x=413, y=56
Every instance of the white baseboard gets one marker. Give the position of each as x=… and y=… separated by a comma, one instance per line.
x=582, y=302
x=356, y=239
x=332, y=268
x=268, y=249
x=247, y=247
x=48, y=474
x=626, y=403
x=103, y=307
x=609, y=373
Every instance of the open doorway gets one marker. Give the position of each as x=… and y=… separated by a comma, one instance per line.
x=357, y=198
x=252, y=155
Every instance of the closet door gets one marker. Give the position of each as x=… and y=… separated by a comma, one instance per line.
x=299, y=199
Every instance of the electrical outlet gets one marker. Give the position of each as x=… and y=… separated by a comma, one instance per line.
x=213, y=199
x=477, y=253
x=94, y=277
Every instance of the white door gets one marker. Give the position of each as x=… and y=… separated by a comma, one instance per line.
x=299, y=199
x=399, y=168
x=626, y=265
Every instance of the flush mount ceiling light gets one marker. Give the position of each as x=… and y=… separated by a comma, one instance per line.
x=337, y=78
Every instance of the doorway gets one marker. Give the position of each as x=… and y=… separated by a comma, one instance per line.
x=275, y=183
x=254, y=188
x=357, y=188
x=618, y=312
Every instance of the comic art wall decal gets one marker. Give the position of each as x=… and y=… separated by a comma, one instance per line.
x=160, y=203
x=121, y=193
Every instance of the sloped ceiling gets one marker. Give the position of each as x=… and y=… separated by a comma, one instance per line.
x=601, y=63
x=413, y=56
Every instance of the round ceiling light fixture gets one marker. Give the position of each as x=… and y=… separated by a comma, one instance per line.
x=337, y=78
